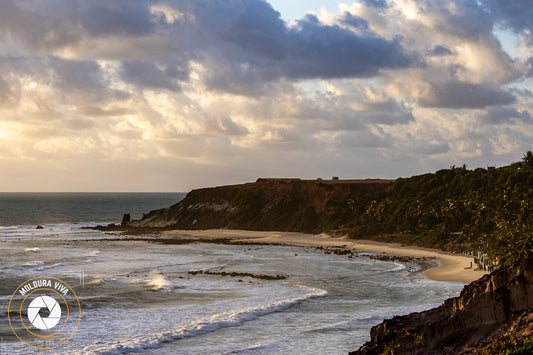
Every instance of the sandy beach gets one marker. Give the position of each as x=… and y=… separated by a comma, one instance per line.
x=452, y=267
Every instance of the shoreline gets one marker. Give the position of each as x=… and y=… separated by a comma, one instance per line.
x=452, y=267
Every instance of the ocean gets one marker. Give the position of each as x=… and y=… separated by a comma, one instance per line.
x=183, y=298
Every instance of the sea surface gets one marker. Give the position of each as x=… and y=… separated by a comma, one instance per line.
x=160, y=298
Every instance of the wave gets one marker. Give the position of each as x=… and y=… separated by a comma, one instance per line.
x=49, y=266
x=230, y=318
x=32, y=264
x=158, y=282
x=97, y=280
x=47, y=229
x=398, y=267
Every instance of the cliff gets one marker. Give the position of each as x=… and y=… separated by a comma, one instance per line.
x=268, y=204
x=495, y=308
x=451, y=209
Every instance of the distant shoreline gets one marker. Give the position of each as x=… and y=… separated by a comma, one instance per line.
x=452, y=267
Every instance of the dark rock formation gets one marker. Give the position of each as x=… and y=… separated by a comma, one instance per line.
x=39, y=227
x=269, y=204
x=126, y=219
x=496, y=307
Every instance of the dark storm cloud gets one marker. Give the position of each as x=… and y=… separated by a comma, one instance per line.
x=244, y=43
x=467, y=20
x=58, y=23
x=146, y=74
x=516, y=15
x=263, y=48
x=378, y=4
x=318, y=50
x=38, y=28
x=459, y=95
x=439, y=51
x=355, y=22
x=103, y=18
x=82, y=81
x=502, y=115
x=83, y=75
x=252, y=25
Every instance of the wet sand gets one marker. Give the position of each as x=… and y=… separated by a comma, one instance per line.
x=452, y=267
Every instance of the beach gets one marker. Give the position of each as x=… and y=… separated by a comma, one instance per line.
x=211, y=291
x=451, y=267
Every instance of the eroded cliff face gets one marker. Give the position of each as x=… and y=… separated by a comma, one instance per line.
x=270, y=204
x=493, y=308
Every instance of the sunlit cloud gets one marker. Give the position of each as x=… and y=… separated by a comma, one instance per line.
x=198, y=92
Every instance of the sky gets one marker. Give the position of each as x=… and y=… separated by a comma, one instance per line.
x=172, y=95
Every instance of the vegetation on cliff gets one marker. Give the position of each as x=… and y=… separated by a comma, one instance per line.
x=487, y=209
x=490, y=210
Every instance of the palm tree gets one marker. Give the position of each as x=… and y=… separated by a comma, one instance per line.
x=528, y=159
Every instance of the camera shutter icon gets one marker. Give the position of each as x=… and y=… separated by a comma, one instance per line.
x=46, y=304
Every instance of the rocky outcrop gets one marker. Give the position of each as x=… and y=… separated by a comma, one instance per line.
x=496, y=307
x=126, y=219
x=268, y=204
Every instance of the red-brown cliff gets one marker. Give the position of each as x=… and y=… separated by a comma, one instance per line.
x=496, y=307
x=268, y=204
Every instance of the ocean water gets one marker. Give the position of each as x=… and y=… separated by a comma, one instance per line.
x=146, y=296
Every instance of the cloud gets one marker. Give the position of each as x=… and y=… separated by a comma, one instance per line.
x=9, y=94
x=226, y=126
x=515, y=15
x=147, y=74
x=262, y=48
x=24, y=21
x=177, y=86
x=323, y=51
x=362, y=139
x=102, y=18
x=74, y=75
x=379, y=4
x=460, y=95
x=507, y=115
x=439, y=51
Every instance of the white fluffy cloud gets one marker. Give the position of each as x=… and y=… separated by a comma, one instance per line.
x=194, y=93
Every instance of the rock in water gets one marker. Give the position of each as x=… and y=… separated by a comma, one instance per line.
x=125, y=219
x=494, y=308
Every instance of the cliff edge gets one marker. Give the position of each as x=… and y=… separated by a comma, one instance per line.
x=495, y=308
x=291, y=205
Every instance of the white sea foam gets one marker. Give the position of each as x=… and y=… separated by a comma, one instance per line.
x=48, y=266
x=397, y=267
x=158, y=282
x=363, y=292
x=224, y=317
x=32, y=264
x=95, y=281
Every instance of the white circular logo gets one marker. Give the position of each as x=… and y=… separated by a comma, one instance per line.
x=44, y=312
